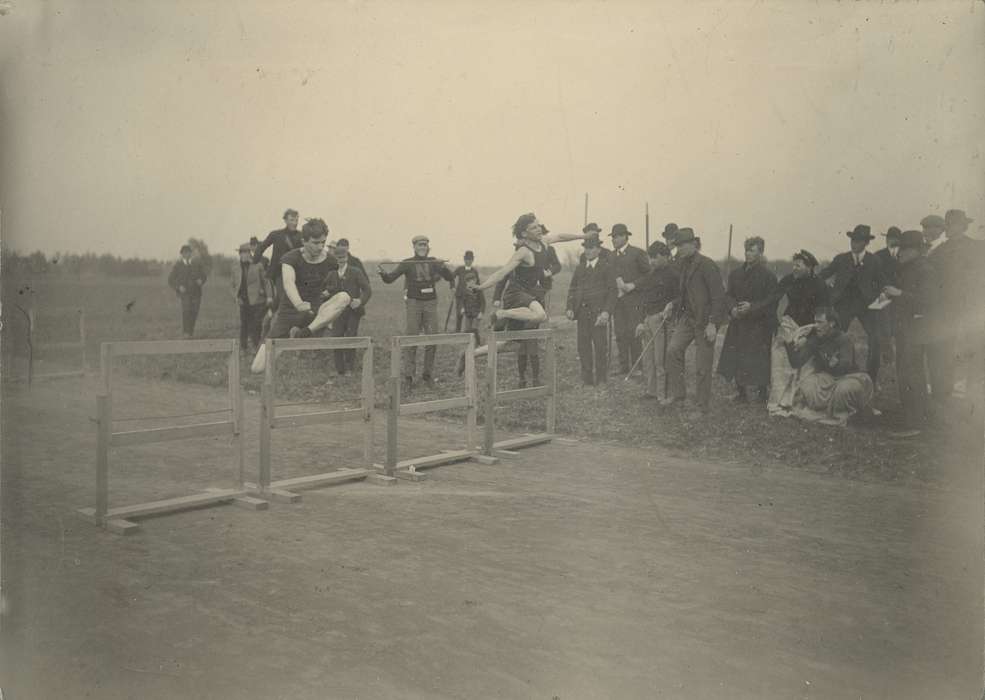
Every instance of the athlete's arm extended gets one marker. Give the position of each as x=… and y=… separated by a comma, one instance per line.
x=520, y=255
x=550, y=238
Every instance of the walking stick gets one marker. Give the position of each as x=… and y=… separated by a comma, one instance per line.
x=643, y=352
x=448, y=315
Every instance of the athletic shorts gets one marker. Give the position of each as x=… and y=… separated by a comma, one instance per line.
x=515, y=297
x=286, y=317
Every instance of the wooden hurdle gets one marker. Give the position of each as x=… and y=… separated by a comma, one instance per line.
x=283, y=490
x=505, y=448
x=80, y=344
x=119, y=519
x=407, y=469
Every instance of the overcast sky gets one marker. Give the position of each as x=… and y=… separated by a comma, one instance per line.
x=129, y=126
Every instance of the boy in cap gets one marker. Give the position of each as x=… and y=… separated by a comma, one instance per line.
x=912, y=295
x=696, y=312
x=630, y=263
x=421, y=272
x=253, y=294
x=657, y=288
x=469, y=305
x=186, y=279
x=351, y=279
x=591, y=298
x=856, y=278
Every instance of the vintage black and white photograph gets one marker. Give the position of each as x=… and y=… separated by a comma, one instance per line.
x=467, y=349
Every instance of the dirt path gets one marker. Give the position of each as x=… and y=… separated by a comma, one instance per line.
x=572, y=571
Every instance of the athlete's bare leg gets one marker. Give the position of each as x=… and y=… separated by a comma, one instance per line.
x=532, y=314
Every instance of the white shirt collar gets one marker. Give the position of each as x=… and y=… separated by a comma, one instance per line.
x=591, y=263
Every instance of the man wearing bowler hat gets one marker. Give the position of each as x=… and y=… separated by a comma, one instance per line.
x=591, y=297
x=856, y=278
x=629, y=264
x=592, y=230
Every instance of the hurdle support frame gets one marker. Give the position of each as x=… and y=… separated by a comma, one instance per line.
x=120, y=519
x=407, y=469
x=283, y=490
x=507, y=448
x=32, y=319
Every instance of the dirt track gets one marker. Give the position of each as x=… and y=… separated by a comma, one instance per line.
x=572, y=571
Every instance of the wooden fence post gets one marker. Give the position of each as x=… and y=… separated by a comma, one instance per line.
x=368, y=402
x=472, y=392
x=392, y=410
x=489, y=426
x=550, y=358
x=104, y=418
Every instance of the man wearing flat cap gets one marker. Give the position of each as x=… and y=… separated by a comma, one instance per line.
x=958, y=262
x=856, y=278
x=695, y=314
x=253, y=294
x=912, y=295
x=629, y=264
x=421, y=272
x=186, y=279
x=933, y=229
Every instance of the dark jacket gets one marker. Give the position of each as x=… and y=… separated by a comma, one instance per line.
x=915, y=307
x=355, y=283
x=658, y=287
x=868, y=278
x=190, y=275
x=834, y=355
x=472, y=303
x=746, y=350
x=701, y=296
x=282, y=241
x=592, y=291
x=804, y=296
x=420, y=276
x=553, y=266
x=630, y=263
x=887, y=265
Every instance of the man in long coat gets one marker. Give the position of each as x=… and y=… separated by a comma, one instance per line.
x=629, y=264
x=751, y=297
x=186, y=279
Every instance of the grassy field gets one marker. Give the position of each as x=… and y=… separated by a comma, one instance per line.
x=142, y=308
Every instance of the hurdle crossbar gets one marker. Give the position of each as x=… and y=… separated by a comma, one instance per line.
x=284, y=489
x=491, y=448
x=392, y=465
x=79, y=344
x=119, y=519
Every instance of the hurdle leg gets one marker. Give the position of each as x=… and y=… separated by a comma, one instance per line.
x=489, y=426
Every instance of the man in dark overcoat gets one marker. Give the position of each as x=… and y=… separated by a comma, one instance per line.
x=351, y=279
x=856, y=279
x=629, y=264
x=591, y=299
x=751, y=299
x=696, y=313
x=186, y=279
x=912, y=296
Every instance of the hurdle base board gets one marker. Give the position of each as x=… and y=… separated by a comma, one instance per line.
x=486, y=459
x=118, y=526
x=169, y=505
x=523, y=441
x=275, y=495
x=247, y=502
x=381, y=480
x=437, y=460
x=58, y=375
x=408, y=475
x=505, y=453
x=318, y=480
